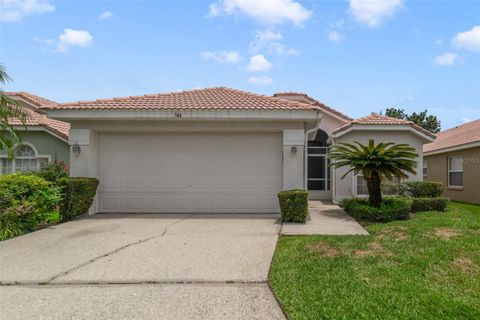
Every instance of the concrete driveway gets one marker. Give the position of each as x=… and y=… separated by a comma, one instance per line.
x=142, y=267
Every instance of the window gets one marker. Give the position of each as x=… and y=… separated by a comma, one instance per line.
x=318, y=164
x=425, y=168
x=25, y=159
x=361, y=185
x=455, y=171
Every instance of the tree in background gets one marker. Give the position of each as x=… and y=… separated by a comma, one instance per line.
x=9, y=108
x=428, y=122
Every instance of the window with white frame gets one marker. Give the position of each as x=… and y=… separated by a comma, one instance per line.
x=425, y=168
x=455, y=171
x=361, y=187
x=25, y=158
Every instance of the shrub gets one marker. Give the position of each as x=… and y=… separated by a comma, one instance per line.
x=429, y=204
x=25, y=201
x=54, y=171
x=390, y=188
x=421, y=189
x=78, y=195
x=293, y=205
x=391, y=208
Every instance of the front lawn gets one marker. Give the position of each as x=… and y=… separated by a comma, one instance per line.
x=424, y=268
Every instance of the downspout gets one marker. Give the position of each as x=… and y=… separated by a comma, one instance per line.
x=305, y=157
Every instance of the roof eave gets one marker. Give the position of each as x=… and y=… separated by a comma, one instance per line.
x=382, y=127
x=453, y=148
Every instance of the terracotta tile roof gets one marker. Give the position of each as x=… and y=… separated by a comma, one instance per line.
x=378, y=119
x=314, y=101
x=36, y=117
x=31, y=98
x=460, y=135
x=219, y=98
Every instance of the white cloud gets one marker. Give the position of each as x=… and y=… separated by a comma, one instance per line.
x=468, y=40
x=337, y=24
x=335, y=36
x=73, y=38
x=105, y=15
x=222, y=56
x=16, y=10
x=270, y=41
x=260, y=81
x=465, y=119
x=258, y=63
x=439, y=42
x=44, y=41
x=372, y=12
x=411, y=99
x=446, y=59
x=263, y=11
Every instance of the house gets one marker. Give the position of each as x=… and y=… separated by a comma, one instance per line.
x=42, y=139
x=454, y=159
x=216, y=149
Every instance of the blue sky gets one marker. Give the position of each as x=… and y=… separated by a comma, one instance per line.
x=357, y=56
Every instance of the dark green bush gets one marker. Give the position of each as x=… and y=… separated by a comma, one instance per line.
x=78, y=194
x=293, y=205
x=54, y=171
x=421, y=189
x=390, y=188
x=392, y=208
x=25, y=202
x=429, y=204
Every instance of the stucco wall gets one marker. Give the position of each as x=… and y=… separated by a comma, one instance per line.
x=438, y=171
x=46, y=144
x=344, y=187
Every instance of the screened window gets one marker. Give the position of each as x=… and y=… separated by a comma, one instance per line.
x=425, y=168
x=361, y=185
x=318, y=164
x=455, y=171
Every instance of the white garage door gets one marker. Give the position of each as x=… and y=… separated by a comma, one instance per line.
x=188, y=173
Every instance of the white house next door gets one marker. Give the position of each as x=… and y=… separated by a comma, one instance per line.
x=190, y=172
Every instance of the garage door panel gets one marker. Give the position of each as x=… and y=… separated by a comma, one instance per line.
x=201, y=172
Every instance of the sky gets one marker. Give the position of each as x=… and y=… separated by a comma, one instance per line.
x=357, y=56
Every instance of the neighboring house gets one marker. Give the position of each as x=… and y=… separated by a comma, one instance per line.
x=42, y=139
x=216, y=149
x=454, y=159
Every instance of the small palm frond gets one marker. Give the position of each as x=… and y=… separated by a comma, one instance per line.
x=385, y=159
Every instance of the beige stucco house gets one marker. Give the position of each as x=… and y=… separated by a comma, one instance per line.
x=454, y=159
x=217, y=149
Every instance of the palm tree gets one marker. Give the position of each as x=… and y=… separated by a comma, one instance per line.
x=375, y=162
x=9, y=108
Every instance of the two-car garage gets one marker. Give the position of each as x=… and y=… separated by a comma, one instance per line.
x=189, y=172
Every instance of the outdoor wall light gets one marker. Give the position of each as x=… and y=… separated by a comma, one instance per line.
x=76, y=149
x=294, y=149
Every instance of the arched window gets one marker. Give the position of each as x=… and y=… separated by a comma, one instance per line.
x=25, y=158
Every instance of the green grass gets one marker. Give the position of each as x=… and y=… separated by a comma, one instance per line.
x=424, y=268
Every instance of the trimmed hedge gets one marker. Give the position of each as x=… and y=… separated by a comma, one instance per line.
x=25, y=201
x=293, y=205
x=78, y=195
x=421, y=189
x=429, y=204
x=390, y=188
x=392, y=208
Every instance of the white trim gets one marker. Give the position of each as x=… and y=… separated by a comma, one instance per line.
x=39, y=128
x=454, y=171
x=146, y=114
x=382, y=127
x=454, y=148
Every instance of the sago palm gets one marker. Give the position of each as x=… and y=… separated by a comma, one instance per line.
x=375, y=162
x=8, y=109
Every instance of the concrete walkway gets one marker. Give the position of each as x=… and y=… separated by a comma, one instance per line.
x=142, y=267
x=325, y=218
